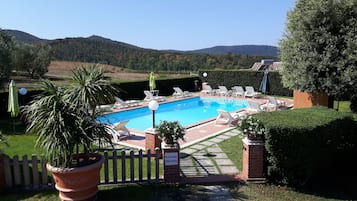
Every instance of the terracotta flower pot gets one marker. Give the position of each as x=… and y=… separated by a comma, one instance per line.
x=80, y=183
x=307, y=99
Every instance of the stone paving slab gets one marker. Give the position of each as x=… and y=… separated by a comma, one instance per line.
x=207, y=143
x=224, y=161
x=209, y=170
x=198, y=147
x=216, y=140
x=225, y=137
x=200, y=155
x=228, y=169
x=218, y=193
x=221, y=155
x=188, y=150
x=214, y=149
x=205, y=162
x=222, y=137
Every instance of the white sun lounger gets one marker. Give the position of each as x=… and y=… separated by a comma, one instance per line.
x=250, y=92
x=179, y=93
x=225, y=117
x=118, y=130
x=119, y=103
x=149, y=96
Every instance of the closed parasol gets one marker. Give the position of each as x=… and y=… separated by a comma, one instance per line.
x=152, y=83
x=13, y=103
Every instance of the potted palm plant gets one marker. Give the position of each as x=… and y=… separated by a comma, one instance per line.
x=170, y=132
x=64, y=120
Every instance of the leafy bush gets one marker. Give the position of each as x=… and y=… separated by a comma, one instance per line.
x=170, y=131
x=305, y=145
x=252, y=128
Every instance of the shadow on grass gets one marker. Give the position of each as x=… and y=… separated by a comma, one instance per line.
x=343, y=188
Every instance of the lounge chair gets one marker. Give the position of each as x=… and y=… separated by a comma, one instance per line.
x=119, y=103
x=104, y=108
x=225, y=117
x=250, y=92
x=149, y=96
x=223, y=91
x=238, y=91
x=179, y=93
x=254, y=106
x=118, y=130
x=208, y=90
x=273, y=103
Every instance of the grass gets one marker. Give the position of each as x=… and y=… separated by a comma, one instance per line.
x=342, y=106
x=234, y=150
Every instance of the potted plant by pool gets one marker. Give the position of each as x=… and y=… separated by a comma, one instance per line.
x=170, y=132
x=252, y=128
x=64, y=120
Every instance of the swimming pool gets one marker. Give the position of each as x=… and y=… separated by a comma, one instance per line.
x=187, y=112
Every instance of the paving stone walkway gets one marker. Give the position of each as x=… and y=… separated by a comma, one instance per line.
x=218, y=193
x=207, y=158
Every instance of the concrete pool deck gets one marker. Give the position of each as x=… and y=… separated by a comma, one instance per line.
x=195, y=133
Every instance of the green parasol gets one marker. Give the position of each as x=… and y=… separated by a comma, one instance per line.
x=13, y=103
x=152, y=83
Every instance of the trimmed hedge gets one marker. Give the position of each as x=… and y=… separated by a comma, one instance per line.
x=245, y=78
x=307, y=145
x=128, y=90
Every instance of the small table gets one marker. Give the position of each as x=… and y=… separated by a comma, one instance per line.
x=155, y=92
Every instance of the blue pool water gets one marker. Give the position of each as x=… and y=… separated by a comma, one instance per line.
x=187, y=112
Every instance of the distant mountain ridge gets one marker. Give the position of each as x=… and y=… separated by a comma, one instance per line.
x=23, y=37
x=97, y=49
x=257, y=50
x=261, y=50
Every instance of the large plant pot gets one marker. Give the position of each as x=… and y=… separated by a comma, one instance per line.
x=80, y=183
x=307, y=99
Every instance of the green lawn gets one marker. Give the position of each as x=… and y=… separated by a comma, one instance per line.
x=343, y=106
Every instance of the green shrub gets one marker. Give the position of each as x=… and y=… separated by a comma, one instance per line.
x=305, y=145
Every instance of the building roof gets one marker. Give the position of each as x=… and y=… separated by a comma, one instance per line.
x=275, y=66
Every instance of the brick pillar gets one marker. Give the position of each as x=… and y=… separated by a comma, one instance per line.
x=152, y=141
x=2, y=174
x=171, y=163
x=253, y=160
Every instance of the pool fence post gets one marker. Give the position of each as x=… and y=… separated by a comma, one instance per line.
x=152, y=140
x=253, y=160
x=171, y=156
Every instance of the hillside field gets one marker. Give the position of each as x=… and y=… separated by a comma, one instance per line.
x=60, y=71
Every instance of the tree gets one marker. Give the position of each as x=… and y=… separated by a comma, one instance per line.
x=6, y=46
x=318, y=49
x=34, y=59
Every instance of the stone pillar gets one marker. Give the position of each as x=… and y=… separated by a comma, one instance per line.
x=253, y=160
x=171, y=156
x=152, y=140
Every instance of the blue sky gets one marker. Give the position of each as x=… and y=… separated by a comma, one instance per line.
x=156, y=24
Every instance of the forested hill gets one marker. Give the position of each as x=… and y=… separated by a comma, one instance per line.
x=102, y=50
x=262, y=50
